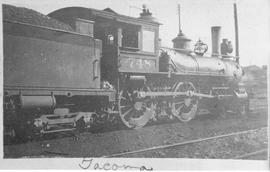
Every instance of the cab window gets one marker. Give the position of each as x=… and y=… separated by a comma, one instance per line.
x=148, y=41
x=130, y=37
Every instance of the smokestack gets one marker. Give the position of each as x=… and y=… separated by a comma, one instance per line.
x=215, y=31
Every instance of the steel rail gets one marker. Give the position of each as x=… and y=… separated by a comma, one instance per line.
x=250, y=154
x=182, y=143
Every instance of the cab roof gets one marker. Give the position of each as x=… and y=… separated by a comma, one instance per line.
x=68, y=14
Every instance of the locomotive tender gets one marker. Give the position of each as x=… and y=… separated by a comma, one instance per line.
x=110, y=68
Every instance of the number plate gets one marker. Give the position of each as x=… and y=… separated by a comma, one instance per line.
x=137, y=65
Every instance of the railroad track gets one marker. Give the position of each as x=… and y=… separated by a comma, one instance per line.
x=250, y=154
x=168, y=146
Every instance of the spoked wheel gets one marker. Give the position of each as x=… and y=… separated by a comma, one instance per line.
x=134, y=112
x=184, y=107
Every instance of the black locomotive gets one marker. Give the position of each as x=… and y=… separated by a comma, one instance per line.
x=108, y=67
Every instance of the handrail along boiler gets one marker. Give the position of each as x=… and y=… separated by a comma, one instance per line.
x=110, y=68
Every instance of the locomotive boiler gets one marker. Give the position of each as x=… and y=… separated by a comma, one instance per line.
x=101, y=66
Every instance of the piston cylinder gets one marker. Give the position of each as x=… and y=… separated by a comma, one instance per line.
x=31, y=102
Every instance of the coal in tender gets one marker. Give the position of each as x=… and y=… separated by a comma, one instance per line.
x=28, y=16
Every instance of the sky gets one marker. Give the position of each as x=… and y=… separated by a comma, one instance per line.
x=197, y=17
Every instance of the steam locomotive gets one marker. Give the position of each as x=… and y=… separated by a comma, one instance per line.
x=110, y=68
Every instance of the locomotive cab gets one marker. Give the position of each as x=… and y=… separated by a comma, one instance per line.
x=129, y=45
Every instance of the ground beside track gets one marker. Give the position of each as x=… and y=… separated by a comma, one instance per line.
x=96, y=145
x=240, y=146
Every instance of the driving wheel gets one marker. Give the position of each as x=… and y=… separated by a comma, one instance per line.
x=134, y=110
x=184, y=107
